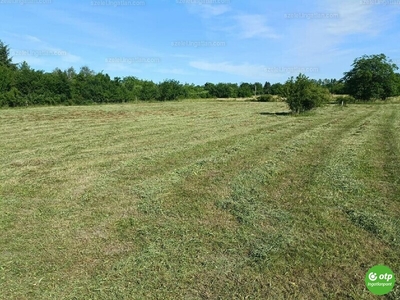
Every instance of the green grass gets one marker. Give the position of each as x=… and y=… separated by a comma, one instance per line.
x=197, y=200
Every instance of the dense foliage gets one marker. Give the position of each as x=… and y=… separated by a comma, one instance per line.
x=372, y=77
x=302, y=94
x=20, y=85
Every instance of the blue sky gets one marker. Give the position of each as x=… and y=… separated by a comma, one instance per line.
x=198, y=41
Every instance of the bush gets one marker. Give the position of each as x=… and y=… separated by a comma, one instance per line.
x=265, y=98
x=303, y=94
x=12, y=98
x=344, y=100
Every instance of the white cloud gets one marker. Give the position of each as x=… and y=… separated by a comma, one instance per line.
x=320, y=41
x=32, y=39
x=253, y=26
x=208, y=10
x=354, y=18
x=214, y=10
x=41, y=53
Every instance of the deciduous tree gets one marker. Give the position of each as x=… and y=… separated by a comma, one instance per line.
x=372, y=77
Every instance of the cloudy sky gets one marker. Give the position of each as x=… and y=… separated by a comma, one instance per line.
x=198, y=41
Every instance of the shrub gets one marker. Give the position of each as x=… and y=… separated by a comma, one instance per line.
x=303, y=94
x=265, y=98
x=344, y=100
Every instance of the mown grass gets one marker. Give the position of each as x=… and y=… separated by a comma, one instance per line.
x=197, y=200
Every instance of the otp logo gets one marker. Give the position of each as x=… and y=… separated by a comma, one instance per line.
x=372, y=276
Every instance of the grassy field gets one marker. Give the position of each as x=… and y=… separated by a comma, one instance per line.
x=198, y=200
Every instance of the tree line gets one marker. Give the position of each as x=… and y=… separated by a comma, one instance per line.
x=21, y=85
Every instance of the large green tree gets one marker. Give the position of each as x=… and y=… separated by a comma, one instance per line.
x=276, y=89
x=5, y=58
x=211, y=89
x=6, y=79
x=170, y=89
x=192, y=91
x=55, y=88
x=245, y=90
x=149, y=91
x=133, y=87
x=372, y=77
x=226, y=90
x=267, y=88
